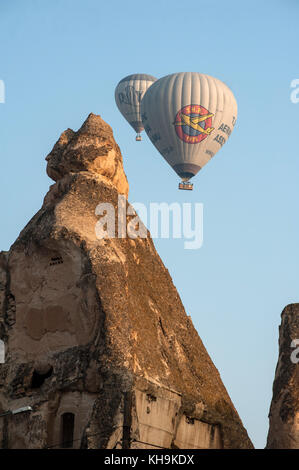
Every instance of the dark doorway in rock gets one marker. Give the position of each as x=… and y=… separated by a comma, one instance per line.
x=67, y=430
x=38, y=379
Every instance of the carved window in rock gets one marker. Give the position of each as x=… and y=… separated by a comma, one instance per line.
x=56, y=260
x=38, y=378
x=67, y=430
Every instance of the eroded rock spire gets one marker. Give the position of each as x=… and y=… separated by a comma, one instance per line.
x=92, y=148
x=97, y=340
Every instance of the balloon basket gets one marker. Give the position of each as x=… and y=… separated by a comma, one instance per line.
x=187, y=186
x=138, y=138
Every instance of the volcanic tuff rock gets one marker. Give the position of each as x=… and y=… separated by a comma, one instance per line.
x=91, y=149
x=284, y=410
x=97, y=339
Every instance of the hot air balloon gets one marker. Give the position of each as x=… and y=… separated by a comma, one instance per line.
x=128, y=95
x=188, y=117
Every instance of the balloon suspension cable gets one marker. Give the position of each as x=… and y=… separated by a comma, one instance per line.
x=138, y=137
x=186, y=185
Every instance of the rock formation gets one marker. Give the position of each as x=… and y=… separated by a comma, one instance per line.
x=284, y=410
x=97, y=339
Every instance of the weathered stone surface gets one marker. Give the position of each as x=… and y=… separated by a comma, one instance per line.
x=96, y=327
x=284, y=411
x=91, y=149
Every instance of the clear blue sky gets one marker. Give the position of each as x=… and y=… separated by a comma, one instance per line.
x=61, y=60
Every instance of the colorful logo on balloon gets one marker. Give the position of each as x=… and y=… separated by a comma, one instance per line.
x=193, y=123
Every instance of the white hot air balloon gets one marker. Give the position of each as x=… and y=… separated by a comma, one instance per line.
x=128, y=95
x=188, y=116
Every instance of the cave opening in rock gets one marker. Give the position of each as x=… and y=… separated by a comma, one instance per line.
x=38, y=378
x=67, y=430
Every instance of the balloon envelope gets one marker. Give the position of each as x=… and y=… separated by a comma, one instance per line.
x=128, y=95
x=188, y=116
